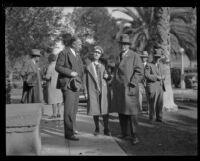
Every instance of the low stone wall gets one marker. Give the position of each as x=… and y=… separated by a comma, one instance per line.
x=23, y=129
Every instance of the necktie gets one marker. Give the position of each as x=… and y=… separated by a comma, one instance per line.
x=97, y=67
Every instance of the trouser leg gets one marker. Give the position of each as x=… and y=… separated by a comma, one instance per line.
x=96, y=122
x=147, y=97
x=159, y=105
x=123, y=124
x=75, y=108
x=152, y=104
x=133, y=125
x=69, y=99
x=105, y=121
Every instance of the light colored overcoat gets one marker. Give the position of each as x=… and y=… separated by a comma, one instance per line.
x=54, y=95
x=124, y=87
x=93, y=89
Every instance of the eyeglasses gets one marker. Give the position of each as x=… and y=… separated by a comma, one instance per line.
x=96, y=52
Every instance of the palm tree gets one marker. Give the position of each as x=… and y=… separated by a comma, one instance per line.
x=161, y=39
x=182, y=28
x=138, y=29
x=156, y=26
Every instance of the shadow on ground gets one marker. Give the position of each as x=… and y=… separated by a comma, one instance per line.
x=177, y=137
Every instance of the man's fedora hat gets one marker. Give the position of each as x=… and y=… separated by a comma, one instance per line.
x=35, y=52
x=144, y=54
x=75, y=84
x=124, y=39
x=98, y=49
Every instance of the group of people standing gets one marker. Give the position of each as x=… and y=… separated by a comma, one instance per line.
x=67, y=76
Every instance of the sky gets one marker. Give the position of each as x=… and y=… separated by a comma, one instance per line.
x=114, y=14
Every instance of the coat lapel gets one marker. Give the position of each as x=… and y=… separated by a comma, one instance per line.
x=71, y=56
x=33, y=66
x=125, y=59
x=91, y=70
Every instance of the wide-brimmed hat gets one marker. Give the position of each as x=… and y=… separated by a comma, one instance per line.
x=75, y=84
x=144, y=54
x=98, y=49
x=35, y=52
x=124, y=39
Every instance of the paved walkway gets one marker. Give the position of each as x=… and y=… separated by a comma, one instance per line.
x=53, y=142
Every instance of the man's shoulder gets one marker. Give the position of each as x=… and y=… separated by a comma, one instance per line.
x=133, y=53
x=65, y=51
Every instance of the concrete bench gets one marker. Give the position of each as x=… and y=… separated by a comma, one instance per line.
x=23, y=129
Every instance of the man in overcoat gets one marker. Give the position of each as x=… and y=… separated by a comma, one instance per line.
x=142, y=85
x=97, y=89
x=124, y=89
x=155, y=87
x=32, y=87
x=69, y=65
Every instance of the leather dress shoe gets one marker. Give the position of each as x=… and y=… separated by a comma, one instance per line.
x=107, y=132
x=96, y=132
x=151, y=121
x=122, y=136
x=135, y=141
x=159, y=120
x=74, y=138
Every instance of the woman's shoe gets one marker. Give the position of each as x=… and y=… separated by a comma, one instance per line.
x=96, y=132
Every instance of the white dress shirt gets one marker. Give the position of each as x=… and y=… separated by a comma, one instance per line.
x=73, y=52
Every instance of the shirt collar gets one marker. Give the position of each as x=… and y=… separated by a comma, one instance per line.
x=33, y=61
x=96, y=63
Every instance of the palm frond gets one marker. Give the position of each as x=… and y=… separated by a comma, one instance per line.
x=127, y=11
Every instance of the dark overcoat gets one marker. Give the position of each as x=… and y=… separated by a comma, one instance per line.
x=31, y=94
x=124, y=87
x=96, y=106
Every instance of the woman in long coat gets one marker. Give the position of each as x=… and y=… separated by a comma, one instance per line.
x=97, y=89
x=54, y=95
x=32, y=88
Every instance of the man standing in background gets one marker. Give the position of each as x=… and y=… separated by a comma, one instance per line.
x=142, y=85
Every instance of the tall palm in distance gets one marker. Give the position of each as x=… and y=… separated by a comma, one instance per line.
x=182, y=28
x=166, y=28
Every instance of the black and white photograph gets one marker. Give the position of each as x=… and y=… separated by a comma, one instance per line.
x=101, y=81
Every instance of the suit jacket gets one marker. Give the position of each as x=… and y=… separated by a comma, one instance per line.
x=67, y=63
x=124, y=88
x=151, y=73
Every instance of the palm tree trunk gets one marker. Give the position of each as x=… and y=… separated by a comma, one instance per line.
x=162, y=40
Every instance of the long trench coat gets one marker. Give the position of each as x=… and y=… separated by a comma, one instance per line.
x=93, y=89
x=124, y=87
x=31, y=94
